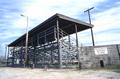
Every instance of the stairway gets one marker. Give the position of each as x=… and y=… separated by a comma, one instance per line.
x=68, y=48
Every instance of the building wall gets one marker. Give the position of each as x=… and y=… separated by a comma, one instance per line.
x=88, y=57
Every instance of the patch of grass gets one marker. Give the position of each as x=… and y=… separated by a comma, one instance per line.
x=111, y=68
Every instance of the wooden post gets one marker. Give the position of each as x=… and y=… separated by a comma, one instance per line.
x=77, y=47
x=90, y=24
x=59, y=56
x=26, y=50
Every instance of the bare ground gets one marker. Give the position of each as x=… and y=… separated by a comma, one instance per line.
x=27, y=73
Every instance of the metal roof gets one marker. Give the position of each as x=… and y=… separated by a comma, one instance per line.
x=66, y=23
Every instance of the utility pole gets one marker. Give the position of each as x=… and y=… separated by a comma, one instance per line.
x=26, y=39
x=88, y=10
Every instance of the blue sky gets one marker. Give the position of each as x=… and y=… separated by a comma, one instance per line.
x=105, y=17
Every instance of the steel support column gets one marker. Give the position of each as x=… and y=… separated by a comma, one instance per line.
x=45, y=37
x=38, y=39
x=13, y=57
x=34, y=58
x=54, y=32
x=77, y=47
x=7, y=56
x=69, y=48
x=59, y=56
x=21, y=56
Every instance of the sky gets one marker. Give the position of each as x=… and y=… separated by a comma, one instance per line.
x=105, y=17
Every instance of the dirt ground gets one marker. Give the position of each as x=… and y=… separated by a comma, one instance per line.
x=27, y=73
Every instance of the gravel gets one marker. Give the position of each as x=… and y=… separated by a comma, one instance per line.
x=27, y=73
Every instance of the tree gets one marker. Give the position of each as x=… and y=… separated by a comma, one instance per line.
x=2, y=59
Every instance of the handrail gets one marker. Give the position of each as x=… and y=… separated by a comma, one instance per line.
x=66, y=34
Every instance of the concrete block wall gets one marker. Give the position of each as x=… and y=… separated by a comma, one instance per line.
x=88, y=57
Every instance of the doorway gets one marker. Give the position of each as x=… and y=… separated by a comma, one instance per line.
x=101, y=63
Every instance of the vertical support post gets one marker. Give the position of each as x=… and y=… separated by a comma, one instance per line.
x=51, y=54
x=91, y=29
x=61, y=44
x=5, y=51
x=90, y=24
x=8, y=56
x=38, y=39
x=59, y=56
x=32, y=41
x=118, y=50
x=44, y=55
x=45, y=36
x=35, y=56
x=42, y=59
x=21, y=55
x=13, y=56
x=69, y=49
x=26, y=44
x=62, y=34
x=77, y=47
x=54, y=32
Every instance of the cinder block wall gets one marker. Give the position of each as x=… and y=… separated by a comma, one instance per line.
x=88, y=57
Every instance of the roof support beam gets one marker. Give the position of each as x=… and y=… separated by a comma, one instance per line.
x=59, y=56
x=77, y=47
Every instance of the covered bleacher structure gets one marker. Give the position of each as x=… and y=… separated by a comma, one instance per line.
x=49, y=43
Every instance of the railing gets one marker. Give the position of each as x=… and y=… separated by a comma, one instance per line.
x=68, y=47
x=64, y=35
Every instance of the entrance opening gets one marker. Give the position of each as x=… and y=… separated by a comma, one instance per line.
x=101, y=63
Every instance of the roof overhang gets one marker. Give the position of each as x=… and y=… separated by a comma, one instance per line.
x=66, y=23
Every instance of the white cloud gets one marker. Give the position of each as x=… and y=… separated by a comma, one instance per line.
x=117, y=3
x=38, y=11
x=107, y=20
x=9, y=33
x=104, y=31
x=43, y=9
